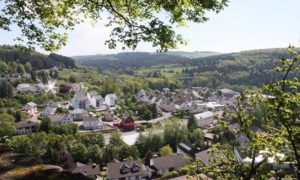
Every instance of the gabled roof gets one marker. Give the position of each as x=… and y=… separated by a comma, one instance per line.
x=114, y=169
x=204, y=115
x=172, y=161
x=78, y=111
x=208, y=159
x=24, y=124
x=57, y=117
x=89, y=118
x=86, y=170
x=31, y=104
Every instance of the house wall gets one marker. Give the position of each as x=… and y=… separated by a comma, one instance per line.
x=205, y=121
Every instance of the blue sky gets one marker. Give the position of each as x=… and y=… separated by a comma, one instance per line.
x=243, y=25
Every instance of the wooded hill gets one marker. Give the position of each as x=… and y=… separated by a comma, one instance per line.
x=246, y=68
x=37, y=60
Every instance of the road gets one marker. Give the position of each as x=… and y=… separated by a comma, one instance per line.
x=162, y=118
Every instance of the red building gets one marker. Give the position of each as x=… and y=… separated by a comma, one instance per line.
x=126, y=124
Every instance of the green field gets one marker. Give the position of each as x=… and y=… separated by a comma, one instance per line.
x=167, y=71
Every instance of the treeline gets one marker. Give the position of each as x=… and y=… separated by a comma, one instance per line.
x=121, y=61
x=248, y=68
x=38, y=61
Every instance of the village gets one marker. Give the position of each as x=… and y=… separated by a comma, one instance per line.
x=93, y=113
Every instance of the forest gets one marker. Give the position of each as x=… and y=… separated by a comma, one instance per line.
x=38, y=61
x=238, y=71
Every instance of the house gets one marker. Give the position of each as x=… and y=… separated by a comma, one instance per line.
x=30, y=108
x=48, y=111
x=277, y=160
x=210, y=159
x=97, y=101
x=50, y=103
x=59, y=119
x=26, y=75
x=228, y=93
x=78, y=114
x=126, y=124
x=185, y=149
x=65, y=88
x=135, y=170
x=64, y=104
x=25, y=88
x=205, y=119
x=90, y=171
x=165, y=164
x=167, y=107
x=109, y=117
x=80, y=101
x=92, y=122
x=141, y=96
x=111, y=100
x=77, y=87
x=213, y=106
x=15, y=75
x=24, y=127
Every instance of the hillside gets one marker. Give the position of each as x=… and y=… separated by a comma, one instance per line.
x=38, y=60
x=240, y=69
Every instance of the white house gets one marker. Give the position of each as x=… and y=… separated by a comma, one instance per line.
x=61, y=119
x=78, y=114
x=30, y=108
x=110, y=100
x=48, y=111
x=77, y=87
x=204, y=119
x=277, y=160
x=92, y=123
x=25, y=88
x=97, y=101
x=213, y=106
x=80, y=101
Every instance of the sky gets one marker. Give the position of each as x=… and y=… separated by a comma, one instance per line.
x=243, y=25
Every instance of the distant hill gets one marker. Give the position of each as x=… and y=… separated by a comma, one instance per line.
x=130, y=59
x=143, y=59
x=37, y=60
x=195, y=54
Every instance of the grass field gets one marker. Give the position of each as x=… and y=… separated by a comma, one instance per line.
x=168, y=72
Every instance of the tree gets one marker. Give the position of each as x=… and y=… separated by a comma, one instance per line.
x=7, y=125
x=166, y=150
x=6, y=90
x=46, y=124
x=20, y=68
x=281, y=107
x=91, y=139
x=3, y=68
x=115, y=139
x=147, y=158
x=28, y=67
x=79, y=152
x=45, y=23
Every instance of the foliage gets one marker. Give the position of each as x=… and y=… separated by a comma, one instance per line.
x=45, y=124
x=6, y=90
x=45, y=23
x=8, y=126
x=281, y=135
x=68, y=129
x=165, y=150
x=31, y=60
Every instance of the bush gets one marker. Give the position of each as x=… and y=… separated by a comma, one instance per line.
x=66, y=129
x=169, y=175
